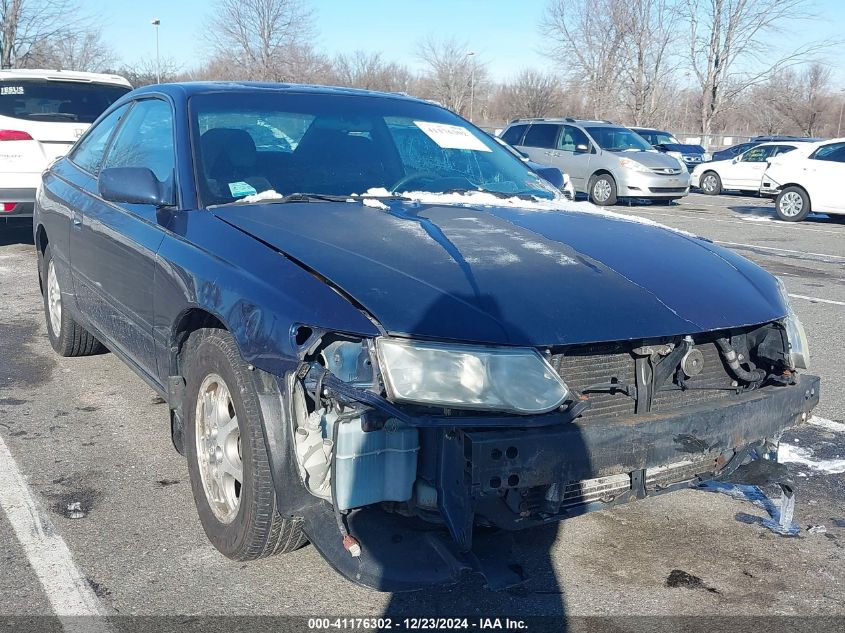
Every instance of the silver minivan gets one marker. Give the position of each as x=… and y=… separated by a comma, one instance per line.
x=603, y=160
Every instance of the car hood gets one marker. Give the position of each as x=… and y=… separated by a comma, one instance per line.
x=653, y=159
x=683, y=148
x=508, y=275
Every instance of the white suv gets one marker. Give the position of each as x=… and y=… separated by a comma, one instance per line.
x=42, y=113
x=808, y=179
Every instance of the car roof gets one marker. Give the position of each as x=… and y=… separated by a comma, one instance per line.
x=565, y=120
x=767, y=143
x=190, y=88
x=64, y=75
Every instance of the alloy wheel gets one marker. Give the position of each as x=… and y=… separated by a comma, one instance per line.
x=54, y=300
x=218, y=444
x=709, y=183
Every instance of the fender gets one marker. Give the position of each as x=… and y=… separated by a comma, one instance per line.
x=274, y=398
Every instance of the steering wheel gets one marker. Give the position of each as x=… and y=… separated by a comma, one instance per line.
x=417, y=175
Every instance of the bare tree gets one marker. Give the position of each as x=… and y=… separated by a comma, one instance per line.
x=369, y=70
x=267, y=40
x=801, y=97
x=586, y=38
x=25, y=24
x=648, y=32
x=145, y=72
x=531, y=94
x=73, y=50
x=452, y=74
x=726, y=51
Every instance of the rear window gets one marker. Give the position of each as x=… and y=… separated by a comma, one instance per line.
x=42, y=100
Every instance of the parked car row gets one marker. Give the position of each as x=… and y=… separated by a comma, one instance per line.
x=801, y=176
x=603, y=160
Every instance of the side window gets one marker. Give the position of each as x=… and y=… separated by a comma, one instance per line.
x=782, y=149
x=541, y=135
x=571, y=138
x=834, y=152
x=145, y=140
x=757, y=155
x=88, y=154
x=513, y=135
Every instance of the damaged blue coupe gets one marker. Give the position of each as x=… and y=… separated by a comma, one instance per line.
x=379, y=331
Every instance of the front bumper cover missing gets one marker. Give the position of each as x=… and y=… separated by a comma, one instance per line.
x=477, y=467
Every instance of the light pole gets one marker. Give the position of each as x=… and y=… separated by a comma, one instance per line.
x=157, y=23
x=841, y=107
x=471, y=84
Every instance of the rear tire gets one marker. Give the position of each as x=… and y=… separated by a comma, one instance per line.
x=792, y=204
x=67, y=337
x=602, y=190
x=711, y=183
x=227, y=457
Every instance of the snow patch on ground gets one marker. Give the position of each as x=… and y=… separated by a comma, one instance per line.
x=787, y=453
x=830, y=425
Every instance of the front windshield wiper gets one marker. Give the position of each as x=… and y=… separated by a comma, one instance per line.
x=525, y=195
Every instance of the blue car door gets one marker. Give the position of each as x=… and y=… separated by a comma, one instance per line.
x=113, y=247
x=63, y=192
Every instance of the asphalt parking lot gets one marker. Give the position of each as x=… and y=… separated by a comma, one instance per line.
x=89, y=432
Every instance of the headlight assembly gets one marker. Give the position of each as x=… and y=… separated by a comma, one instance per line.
x=503, y=379
x=629, y=163
x=799, y=348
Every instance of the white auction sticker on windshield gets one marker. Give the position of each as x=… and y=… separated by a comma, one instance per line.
x=451, y=136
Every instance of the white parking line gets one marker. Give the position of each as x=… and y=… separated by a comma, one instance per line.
x=782, y=250
x=64, y=585
x=817, y=300
x=709, y=218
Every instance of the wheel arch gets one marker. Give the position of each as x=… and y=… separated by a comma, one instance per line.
x=274, y=404
x=602, y=172
x=798, y=186
x=41, y=242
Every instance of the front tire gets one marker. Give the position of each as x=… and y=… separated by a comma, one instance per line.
x=227, y=457
x=67, y=337
x=792, y=204
x=603, y=190
x=711, y=183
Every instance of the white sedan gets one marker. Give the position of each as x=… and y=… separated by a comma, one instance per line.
x=807, y=180
x=743, y=172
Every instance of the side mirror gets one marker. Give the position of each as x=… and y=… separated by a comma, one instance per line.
x=551, y=175
x=133, y=185
x=736, y=159
x=582, y=149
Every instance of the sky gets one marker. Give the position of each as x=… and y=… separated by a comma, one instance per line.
x=502, y=33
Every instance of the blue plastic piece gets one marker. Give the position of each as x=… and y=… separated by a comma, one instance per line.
x=374, y=466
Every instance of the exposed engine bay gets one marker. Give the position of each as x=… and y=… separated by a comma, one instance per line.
x=638, y=418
